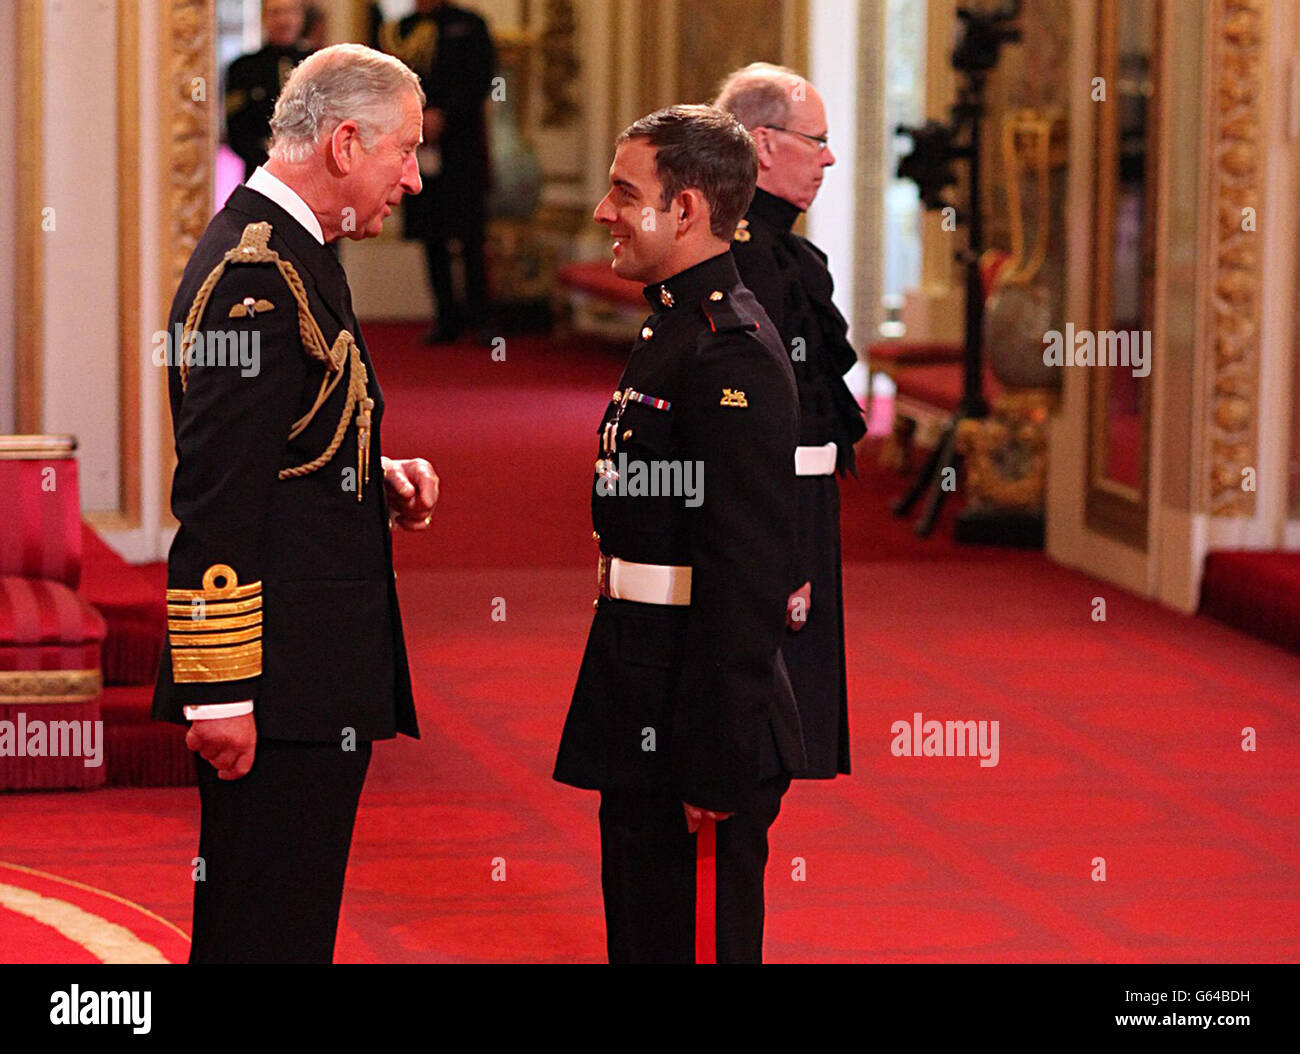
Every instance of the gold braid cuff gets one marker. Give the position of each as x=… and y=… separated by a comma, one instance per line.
x=219, y=642
x=253, y=248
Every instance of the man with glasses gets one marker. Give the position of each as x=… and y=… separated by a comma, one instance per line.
x=788, y=276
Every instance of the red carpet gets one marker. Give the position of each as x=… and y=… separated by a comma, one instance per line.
x=1119, y=740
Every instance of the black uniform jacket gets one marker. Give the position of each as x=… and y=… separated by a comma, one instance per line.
x=451, y=51
x=331, y=648
x=789, y=277
x=694, y=700
x=253, y=83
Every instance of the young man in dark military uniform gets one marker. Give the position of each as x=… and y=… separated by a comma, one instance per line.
x=253, y=82
x=451, y=50
x=788, y=275
x=285, y=649
x=683, y=717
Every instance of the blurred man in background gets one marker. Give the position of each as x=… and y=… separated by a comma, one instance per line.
x=788, y=275
x=253, y=82
x=451, y=51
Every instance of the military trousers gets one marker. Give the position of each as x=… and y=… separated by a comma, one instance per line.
x=648, y=876
x=274, y=848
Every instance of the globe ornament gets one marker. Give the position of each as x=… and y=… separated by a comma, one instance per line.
x=1015, y=319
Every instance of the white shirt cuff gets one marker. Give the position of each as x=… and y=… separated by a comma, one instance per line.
x=213, y=711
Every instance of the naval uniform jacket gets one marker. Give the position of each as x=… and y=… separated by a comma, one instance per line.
x=331, y=651
x=694, y=700
x=789, y=277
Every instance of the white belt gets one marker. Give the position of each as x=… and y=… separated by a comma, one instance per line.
x=815, y=460
x=643, y=583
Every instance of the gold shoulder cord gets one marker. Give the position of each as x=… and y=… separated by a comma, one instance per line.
x=253, y=249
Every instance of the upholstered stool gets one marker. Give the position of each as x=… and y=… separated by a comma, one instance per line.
x=51, y=639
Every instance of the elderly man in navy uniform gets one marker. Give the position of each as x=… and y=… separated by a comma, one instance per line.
x=253, y=81
x=683, y=717
x=285, y=651
x=788, y=275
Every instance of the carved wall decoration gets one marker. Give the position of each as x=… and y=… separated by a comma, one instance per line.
x=188, y=143
x=188, y=51
x=1236, y=183
x=560, y=64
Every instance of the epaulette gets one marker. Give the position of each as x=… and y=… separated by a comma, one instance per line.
x=254, y=248
x=722, y=314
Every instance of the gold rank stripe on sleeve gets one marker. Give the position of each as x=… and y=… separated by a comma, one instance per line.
x=200, y=609
x=242, y=636
x=199, y=620
x=215, y=632
x=211, y=665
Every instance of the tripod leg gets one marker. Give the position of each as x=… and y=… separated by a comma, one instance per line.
x=934, y=502
x=922, y=481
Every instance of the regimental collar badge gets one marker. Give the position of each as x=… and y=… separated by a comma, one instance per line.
x=733, y=397
x=666, y=296
x=742, y=231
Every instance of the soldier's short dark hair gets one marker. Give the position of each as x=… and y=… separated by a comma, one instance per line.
x=703, y=148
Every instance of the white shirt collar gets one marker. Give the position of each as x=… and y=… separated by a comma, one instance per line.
x=287, y=198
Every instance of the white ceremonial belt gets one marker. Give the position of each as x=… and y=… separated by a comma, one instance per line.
x=815, y=460
x=643, y=583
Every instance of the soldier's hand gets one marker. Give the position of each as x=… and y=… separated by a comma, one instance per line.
x=695, y=816
x=798, y=606
x=412, y=487
x=228, y=744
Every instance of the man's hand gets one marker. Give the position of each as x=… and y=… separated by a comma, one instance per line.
x=226, y=743
x=433, y=124
x=798, y=606
x=695, y=816
x=412, y=492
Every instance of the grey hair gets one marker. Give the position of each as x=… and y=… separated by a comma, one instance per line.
x=758, y=94
x=336, y=84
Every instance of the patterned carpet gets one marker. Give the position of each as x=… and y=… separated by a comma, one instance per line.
x=1118, y=740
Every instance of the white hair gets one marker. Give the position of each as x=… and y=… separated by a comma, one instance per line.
x=759, y=94
x=339, y=83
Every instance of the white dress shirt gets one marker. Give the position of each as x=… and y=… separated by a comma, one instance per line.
x=287, y=198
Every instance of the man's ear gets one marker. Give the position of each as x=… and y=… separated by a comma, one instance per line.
x=344, y=143
x=763, y=146
x=691, y=209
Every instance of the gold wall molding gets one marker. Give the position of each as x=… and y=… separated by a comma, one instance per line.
x=189, y=61
x=1236, y=182
x=188, y=58
x=128, y=259
x=29, y=291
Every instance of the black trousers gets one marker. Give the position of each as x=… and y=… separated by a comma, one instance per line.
x=452, y=314
x=274, y=846
x=647, y=870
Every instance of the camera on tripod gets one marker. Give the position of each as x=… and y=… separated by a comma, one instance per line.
x=980, y=36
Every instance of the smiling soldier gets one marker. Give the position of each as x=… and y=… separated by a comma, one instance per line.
x=683, y=717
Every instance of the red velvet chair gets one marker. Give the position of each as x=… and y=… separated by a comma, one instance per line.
x=51, y=639
x=598, y=301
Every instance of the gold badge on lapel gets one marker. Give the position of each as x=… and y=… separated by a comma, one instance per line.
x=249, y=307
x=731, y=397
